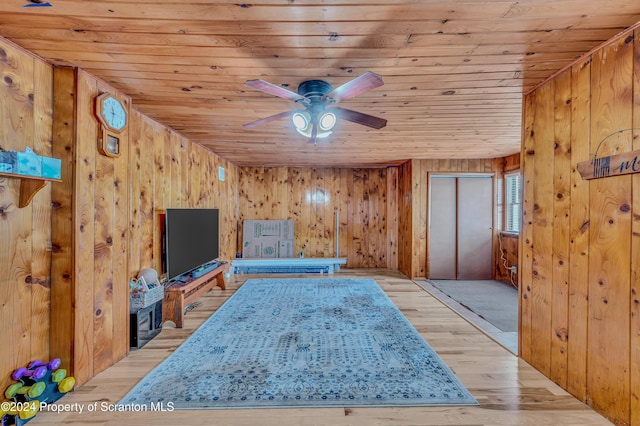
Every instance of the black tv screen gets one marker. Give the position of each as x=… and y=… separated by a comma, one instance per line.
x=191, y=239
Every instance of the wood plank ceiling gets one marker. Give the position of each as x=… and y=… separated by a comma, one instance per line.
x=454, y=71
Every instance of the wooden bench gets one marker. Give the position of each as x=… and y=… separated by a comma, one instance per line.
x=179, y=295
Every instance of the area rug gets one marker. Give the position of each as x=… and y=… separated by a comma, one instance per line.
x=303, y=343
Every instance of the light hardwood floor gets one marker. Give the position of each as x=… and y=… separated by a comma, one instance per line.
x=510, y=392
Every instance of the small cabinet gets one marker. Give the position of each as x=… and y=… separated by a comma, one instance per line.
x=145, y=324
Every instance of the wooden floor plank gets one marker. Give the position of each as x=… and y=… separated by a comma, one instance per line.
x=510, y=391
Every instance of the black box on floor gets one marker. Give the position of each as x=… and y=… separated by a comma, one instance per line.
x=145, y=324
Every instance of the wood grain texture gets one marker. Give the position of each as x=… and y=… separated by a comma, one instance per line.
x=165, y=178
x=589, y=253
x=405, y=224
x=542, y=282
x=113, y=237
x=635, y=249
x=392, y=217
x=510, y=391
x=311, y=198
x=610, y=236
x=454, y=73
x=508, y=256
x=104, y=213
x=41, y=215
x=178, y=296
x=525, y=252
x=84, y=233
x=62, y=218
x=601, y=365
x=413, y=222
x=579, y=231
x=25, y=244
x=561, y=220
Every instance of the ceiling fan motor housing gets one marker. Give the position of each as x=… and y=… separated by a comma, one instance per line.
x=314, y=89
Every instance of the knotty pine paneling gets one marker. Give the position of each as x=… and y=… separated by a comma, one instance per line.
x=392, y=217
x=405, y=220
x=312, y=197
x=413, y=208
x=506, y=255
x=169, y=171
x=610, y=237
x=506, y=244
x=580, y=240
x=89, y=268
x=25, y=233
x=635, y=247
x=452, y=89
x=579, y=231
x=511, y=163
x=113, y=207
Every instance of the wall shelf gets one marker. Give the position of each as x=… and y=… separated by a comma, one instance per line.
x=29, y=186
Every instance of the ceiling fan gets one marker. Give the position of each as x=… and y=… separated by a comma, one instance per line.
x=319, y=117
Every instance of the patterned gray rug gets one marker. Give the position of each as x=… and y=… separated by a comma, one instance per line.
x=303, y=343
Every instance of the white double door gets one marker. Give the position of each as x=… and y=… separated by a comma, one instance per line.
x=461, y=227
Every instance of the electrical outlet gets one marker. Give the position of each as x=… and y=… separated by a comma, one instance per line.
x=514, y=269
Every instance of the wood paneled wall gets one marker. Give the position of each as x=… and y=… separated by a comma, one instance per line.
x=506, y=247
x=413, y=212
x=25, y=233
x=580, y=242
x=95, y=230
x=90, y=291
x=106, y=218
x=406, y=220
x=365, y=200
x=506, y=255
x=169, y=171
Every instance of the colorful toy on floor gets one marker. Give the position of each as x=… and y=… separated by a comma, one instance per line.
x=14, y=417
x=39, y=382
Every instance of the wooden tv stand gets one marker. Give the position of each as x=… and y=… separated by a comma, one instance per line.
x=178, y=295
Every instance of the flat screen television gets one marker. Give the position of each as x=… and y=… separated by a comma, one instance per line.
x=192, y=239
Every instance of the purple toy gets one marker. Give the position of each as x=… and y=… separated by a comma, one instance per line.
x=35, y=374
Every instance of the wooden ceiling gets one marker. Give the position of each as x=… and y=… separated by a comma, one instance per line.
x=454, y=71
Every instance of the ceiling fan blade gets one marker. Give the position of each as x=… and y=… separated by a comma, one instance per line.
x=268, y=119
x=358, y=85
x=272, y=89
x=360, y=118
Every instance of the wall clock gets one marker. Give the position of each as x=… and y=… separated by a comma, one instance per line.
x=112, y=115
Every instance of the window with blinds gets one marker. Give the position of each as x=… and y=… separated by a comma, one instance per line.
x=512, y=205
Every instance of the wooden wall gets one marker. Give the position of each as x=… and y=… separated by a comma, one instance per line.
x=90, y=290
x=91, y=233
x=105, y=224
x=365, y=200
x=580, y=243
x=25, y=233
x=507, y=244
x=506, y=255
x=169, y=171
x=413, y=206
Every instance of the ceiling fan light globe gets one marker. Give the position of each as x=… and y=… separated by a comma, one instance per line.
x=301, y=120
x=327, y=121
